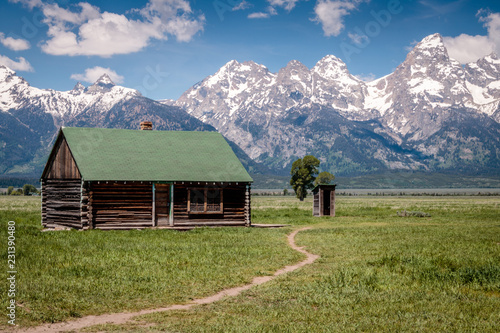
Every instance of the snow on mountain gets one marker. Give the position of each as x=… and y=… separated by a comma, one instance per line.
x=16, y=93
x=30, y=117
x=411, y=98
x=334, y=86
x=483, y=81
x=269, y=115
x=431, y=113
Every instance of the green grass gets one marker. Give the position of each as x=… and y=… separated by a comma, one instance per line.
x=67, y=274
x=377, y=272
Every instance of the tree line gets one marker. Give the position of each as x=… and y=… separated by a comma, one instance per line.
x=27, y=189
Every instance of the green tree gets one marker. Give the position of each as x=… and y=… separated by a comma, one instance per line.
x=304, y=171
x=9, y=190
x=29, y=189
x=19, y=191
x=324, y=178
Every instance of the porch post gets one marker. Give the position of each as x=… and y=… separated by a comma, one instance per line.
x=171, y=212
x=153, y=212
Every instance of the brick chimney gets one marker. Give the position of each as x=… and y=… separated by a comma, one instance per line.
x=146, y=125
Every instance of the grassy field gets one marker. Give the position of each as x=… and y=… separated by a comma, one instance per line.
x=377, y=271
x=66, y=274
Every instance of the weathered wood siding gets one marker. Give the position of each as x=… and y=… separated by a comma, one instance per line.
x=234, y=198
x=316, y=204
x=248, y=206
x=324, y=193
x=162, y=204
x=62, y=165
x=121, y=205
x=86, y=208
x=61, y=189
x=129, y=205
x=332, y=204
x=61, y=204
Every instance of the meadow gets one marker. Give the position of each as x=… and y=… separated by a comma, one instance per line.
x=377, y=272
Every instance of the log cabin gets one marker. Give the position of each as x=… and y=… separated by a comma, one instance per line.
x=99, y=178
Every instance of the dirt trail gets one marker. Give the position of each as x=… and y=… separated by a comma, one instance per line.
x=121, y=318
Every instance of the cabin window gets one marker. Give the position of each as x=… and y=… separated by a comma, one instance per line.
x=204, y=200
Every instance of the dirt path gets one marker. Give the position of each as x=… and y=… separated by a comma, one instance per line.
x=121, y=318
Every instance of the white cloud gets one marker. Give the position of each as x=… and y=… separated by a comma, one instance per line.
x=173, y=17
x=242, y=6
x=493, y=26
x=357, y=38
x=20, y=65
x=287, y=4
x=466, y=48
x=271, y=11
x=330, y=14
x=14, y=43
x=28, y=3
x=84, y=30
x=93, y=74
x=259, y=15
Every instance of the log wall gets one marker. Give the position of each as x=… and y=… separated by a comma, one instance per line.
x=86, y=210
x=61, y=205
x=234, y=211
x=129, y=205
x=248, y=206
x=120, y=205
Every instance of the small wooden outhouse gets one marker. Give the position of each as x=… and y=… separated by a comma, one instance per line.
x=324, y=200
x=128, y=179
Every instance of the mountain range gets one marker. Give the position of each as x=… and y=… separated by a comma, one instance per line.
x=430, y=114
x=30, y=117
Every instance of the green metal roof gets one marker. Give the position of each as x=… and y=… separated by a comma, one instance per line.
x=134, y=155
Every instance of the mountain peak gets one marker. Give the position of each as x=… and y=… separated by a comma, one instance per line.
x=431, y=46
x=431, y=41
x=5, y=68
x=104, y=80
x=231, y=63
x=430, y=51
x=78, y=89
x=78, y=86
x=331, y=67
x=102, y=85
x=234, y=65
x=295, y=64
x=6, y=71
x=331, y=61
x=492, y=58
x=330, y=58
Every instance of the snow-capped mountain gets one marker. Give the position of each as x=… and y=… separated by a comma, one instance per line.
x=16, y=93
x=483, y=82
x=30, y=117
x=430, y=113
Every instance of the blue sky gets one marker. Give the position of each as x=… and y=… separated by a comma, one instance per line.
x=163, y=47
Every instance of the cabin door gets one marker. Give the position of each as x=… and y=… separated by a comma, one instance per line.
x=162, y=204
x=326, y=203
